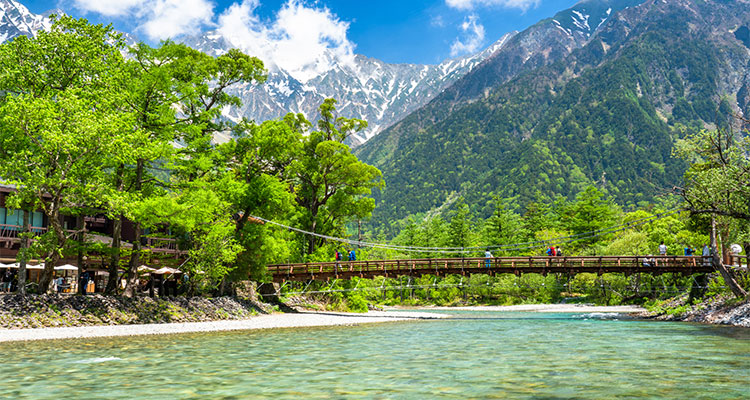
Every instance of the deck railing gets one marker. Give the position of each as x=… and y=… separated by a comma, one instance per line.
x=12, y=232
x=514, y=265
x=162, y=245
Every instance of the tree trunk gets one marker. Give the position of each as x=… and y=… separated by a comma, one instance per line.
x=131, y=285
x=311, y=244
x=114, y=261
x=736, y=289
x=24, y=255
x=51, y=259
x=81, y=239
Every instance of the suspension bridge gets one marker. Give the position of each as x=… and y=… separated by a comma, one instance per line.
x=628, y=265
x=466, y=266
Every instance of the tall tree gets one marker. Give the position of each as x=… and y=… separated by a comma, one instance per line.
x=177, y=94
x=459, y=229
x=258, y=159
x=503, y=227
x=718, y=184
x=331, y=182
x=61, y=91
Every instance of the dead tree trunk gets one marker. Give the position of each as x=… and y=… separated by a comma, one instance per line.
x=736, y=289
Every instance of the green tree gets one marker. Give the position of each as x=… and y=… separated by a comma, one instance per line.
x=504, y=227
x=177, y=94
x=590, y=211
x=59, y=122
x=718, y=184
x=331, y=183
x=258, y=158
x=460, y=232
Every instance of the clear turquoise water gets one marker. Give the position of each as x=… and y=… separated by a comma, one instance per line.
x=499, y=355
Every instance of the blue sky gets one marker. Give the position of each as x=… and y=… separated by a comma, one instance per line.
x=396, y=31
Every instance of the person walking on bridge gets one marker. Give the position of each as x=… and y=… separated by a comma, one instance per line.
x=337, y=255
x=662, y=249
x=706, y=255
x=488, y=258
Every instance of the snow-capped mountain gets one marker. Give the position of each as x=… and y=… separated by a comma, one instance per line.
x=17, y=20
x=366, y=88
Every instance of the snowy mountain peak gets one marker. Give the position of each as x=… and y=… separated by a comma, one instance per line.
x=367, y=88
x=17, y=20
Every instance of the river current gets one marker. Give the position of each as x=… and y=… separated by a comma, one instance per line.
x=475, y=355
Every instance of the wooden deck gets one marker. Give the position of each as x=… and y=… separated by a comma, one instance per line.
x=686, y=265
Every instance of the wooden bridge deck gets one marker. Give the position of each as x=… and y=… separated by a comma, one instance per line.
x=686, y=265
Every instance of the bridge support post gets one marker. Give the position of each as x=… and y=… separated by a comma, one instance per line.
x=402, y=290
x=698, y=286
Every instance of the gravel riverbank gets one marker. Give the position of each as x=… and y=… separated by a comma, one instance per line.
x=291, y=320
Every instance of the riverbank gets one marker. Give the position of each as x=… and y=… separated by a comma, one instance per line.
x=269, y=321
x=719, y=310
x=57, y=311
x=40, y=317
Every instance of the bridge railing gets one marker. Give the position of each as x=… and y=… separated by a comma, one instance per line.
x=544, y=264
x=741, y=261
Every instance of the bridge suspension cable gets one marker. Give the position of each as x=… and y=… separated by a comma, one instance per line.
x=506, y=247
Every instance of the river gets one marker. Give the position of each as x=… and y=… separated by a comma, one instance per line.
x=475, y=355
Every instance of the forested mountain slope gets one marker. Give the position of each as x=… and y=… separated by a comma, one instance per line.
x=607, y=113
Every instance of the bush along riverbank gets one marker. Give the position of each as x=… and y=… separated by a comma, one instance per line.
x=44, y=311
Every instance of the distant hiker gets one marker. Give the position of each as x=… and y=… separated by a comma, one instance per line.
x=83, y=282
x=59, y=282
x=706, y=255
x=352, y=255
x=337, y=255
x=7, y=280
x=550, y=251
x=488, y=258
x=558, y=251
x=689, y=251
x=649, y=261
x=662, y=249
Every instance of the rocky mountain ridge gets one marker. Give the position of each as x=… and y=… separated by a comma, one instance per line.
x=365, y=88
x=604, y=108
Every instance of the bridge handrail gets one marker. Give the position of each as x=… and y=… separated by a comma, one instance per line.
x=509, y=262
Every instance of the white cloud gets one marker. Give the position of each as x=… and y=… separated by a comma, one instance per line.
x=108, y=8
x=471, y=4
x=473, y=37
x=170, y=18
x=438, y=21
x=158, y=19
x=303, y=41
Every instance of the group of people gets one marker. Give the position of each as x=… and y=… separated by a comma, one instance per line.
x=688, y=251
x=554, y=251
x=350, y=254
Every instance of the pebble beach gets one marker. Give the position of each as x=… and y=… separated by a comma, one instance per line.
x=271, y=321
